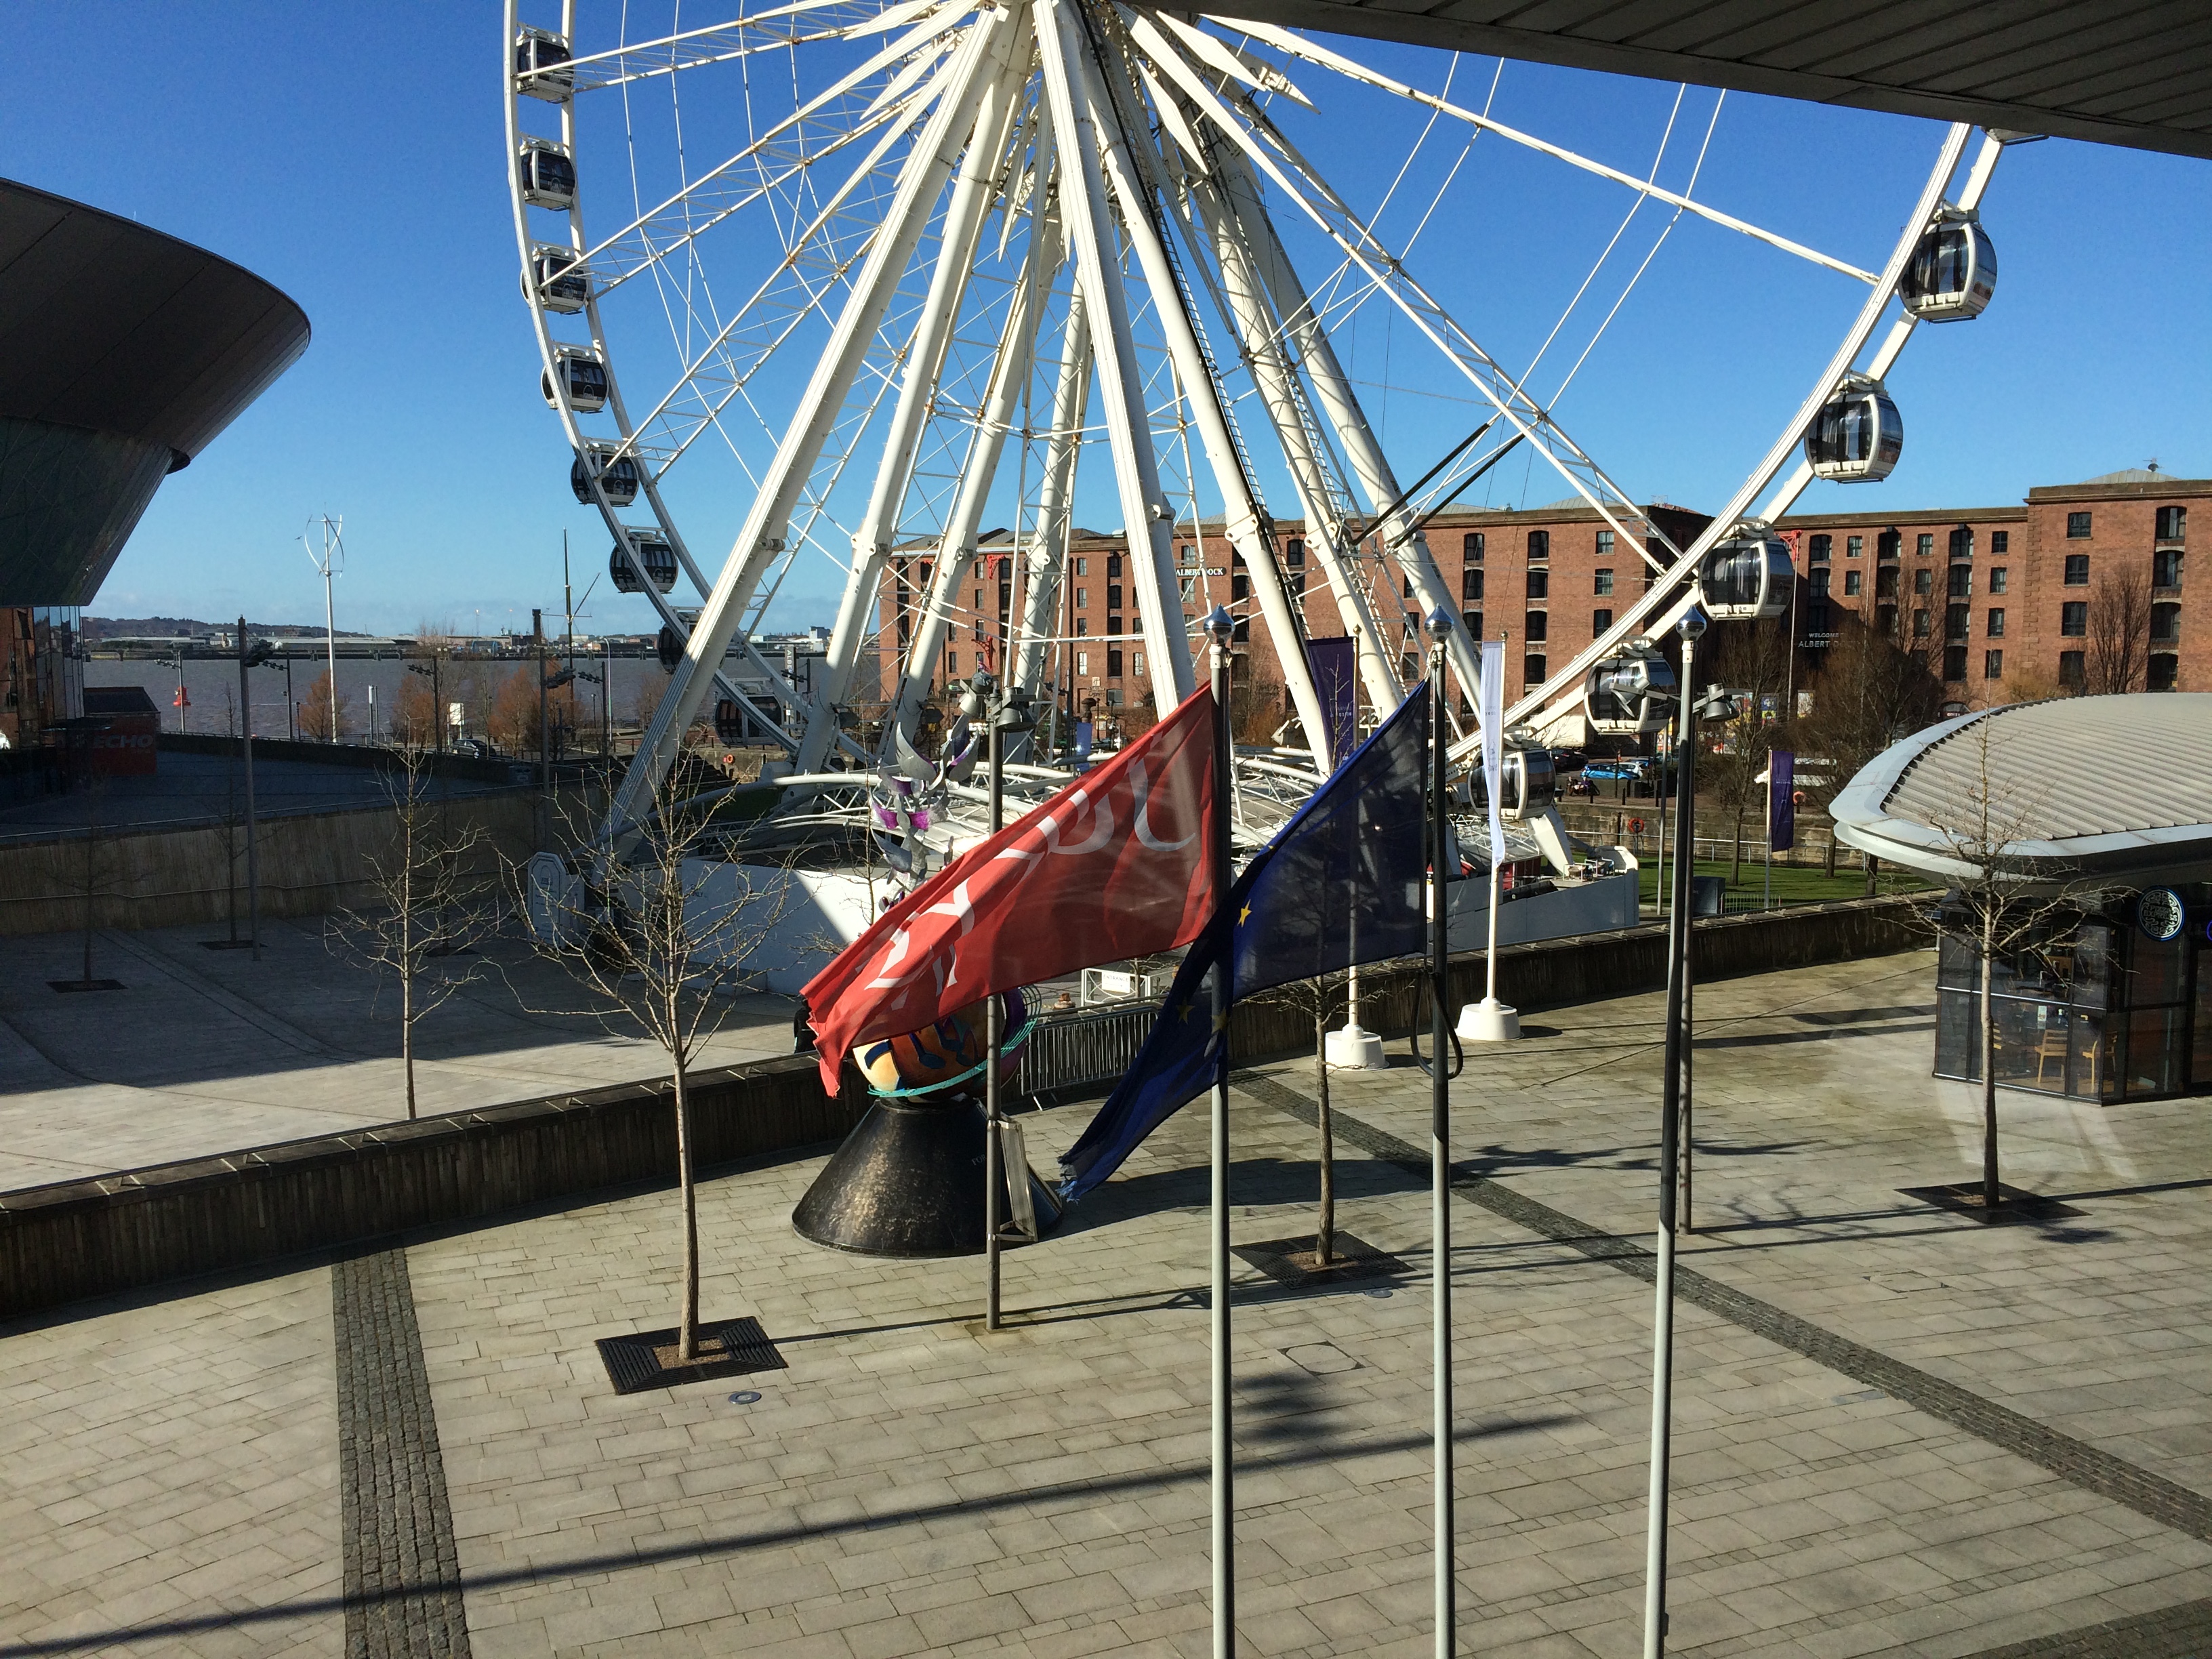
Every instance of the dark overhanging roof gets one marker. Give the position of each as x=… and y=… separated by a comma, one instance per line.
x=108, y=326
x=2131, y=72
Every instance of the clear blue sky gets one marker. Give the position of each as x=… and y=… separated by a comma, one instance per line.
x=355, y=158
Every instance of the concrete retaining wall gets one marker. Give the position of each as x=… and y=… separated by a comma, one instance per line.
x=67, y=1242
x=310, y=863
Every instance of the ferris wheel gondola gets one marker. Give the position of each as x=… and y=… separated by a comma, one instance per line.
x=1630, y=693
x=546, y=173
x=1858, y=434
x=1746, y=578
x=655, y=557
x=617, y=476
x=1953, y=271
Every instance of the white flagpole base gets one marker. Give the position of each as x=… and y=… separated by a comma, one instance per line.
x=1489, y=1021
x=1355, y=1049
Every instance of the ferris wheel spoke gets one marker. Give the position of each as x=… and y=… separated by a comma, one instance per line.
x=980, y=57
x=1299, y=46
x=819, y=112
x=804, y=23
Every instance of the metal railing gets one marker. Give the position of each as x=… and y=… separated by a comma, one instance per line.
x=1074, y=1049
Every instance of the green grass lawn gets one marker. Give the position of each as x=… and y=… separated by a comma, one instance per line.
x=1793, y=885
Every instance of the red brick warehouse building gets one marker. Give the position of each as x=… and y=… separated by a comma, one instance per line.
x=2006, y=602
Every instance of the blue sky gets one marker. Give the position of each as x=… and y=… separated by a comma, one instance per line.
x=356, y=159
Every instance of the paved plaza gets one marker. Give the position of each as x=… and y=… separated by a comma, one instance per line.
x=209, y=1051
x=1900, y=1431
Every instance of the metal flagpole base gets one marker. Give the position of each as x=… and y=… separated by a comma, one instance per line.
x=1354, y=1048
x=1489, y=1021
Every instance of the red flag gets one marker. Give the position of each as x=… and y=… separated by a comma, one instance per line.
x=1115, y=865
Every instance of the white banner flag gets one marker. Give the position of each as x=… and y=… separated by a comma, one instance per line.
x=1491, y=714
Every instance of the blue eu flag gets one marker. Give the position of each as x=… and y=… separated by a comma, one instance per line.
x=1340, y=884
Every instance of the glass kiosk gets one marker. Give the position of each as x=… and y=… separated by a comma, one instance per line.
x=2113, y=1002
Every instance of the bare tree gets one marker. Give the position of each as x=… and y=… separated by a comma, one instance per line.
x=428, y=903
x=660, y=939
x=2117, y=651
x=1998, y=905
x=1324, y=999
x=315, y=714
x=1871, y=691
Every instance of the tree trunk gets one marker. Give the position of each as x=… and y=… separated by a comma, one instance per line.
x=1829, y=858
x=407, y=1035
x=1735, y=867
x=687, y=1340
x=1325, y=1219
x=1990, y=1196
x=1873, y=871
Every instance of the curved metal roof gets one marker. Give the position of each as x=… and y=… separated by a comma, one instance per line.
x=110, y=327
x=2132, y=72
x=2076, y=788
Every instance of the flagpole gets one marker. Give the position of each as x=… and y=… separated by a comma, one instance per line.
x=1439, y=627
x=1220, y=627
x=994, y=1158
x=1690, y=628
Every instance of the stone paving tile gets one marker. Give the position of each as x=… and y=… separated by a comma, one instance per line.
x=914, y=1485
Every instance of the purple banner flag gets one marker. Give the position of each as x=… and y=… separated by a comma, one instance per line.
x=1781, y=801
x=1335, y=666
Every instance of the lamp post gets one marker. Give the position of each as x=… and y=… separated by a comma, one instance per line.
x=1002, y=711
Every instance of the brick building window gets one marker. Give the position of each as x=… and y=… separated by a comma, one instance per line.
x=1853, y=581
x=1924, y=581
x=2165, y=623
x=1536, y=625
x=1884, y=619
x=1995, y=629
x=1471, y=547
x=1113, y=664
x=1083, y=567
x=1992, y=665
x=1816, y=617
x=2077, y=570
x=2172, y=523
x=951, y=662
x=1540, y=584
x=1958, y=621
x=1605, y=544
x=1600, y=621
x=1924, y=545
x=1294, y=554
x=2077, y=526
x=1962, y=580
x=1539, y=545
x=1113, y=565
x=1954, y=662
x=1083, y=662
x=1854, y=546
x=1532, y=670
x=1473, y=620
x=1819, y=583
x=1888, y=544
x=1136, y=663
x=1082, y=598
x=1604, y=582
x=2163, y=672
x=1470, y=587
x=1920, y=624
x=2000, y=542
x=2165, y=568
x=1997, y=580
x=1113, y=595
x=1962, y=541
x=2073, y=619
x=1817, y=549
x=2070, y=668
x=1885, y=583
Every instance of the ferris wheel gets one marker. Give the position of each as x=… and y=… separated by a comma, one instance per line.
x=846, y=281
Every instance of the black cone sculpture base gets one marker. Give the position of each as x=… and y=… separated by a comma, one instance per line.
x=908, y=1181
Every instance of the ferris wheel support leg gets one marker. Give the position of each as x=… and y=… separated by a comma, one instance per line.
x=1249, y=310
x=922, y=179
x=1131, y=182
x=1047, y=557
x=956, y=549
x=972, y=192
x=1147, y=519
x=1346, y=414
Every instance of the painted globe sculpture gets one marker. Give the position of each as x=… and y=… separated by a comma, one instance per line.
x=945, y=1059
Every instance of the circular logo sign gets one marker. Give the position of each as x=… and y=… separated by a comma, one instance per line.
x=2158, y=913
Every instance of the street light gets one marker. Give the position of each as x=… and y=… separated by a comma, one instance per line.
x=1004, y=710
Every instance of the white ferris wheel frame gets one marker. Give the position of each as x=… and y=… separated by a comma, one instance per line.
x=1199, y=184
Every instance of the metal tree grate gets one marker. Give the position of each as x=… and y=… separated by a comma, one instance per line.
x=1289, y=1261
x=647, y=1359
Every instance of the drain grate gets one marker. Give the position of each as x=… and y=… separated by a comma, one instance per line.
x=647, y=1359
x=1289, y=1261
